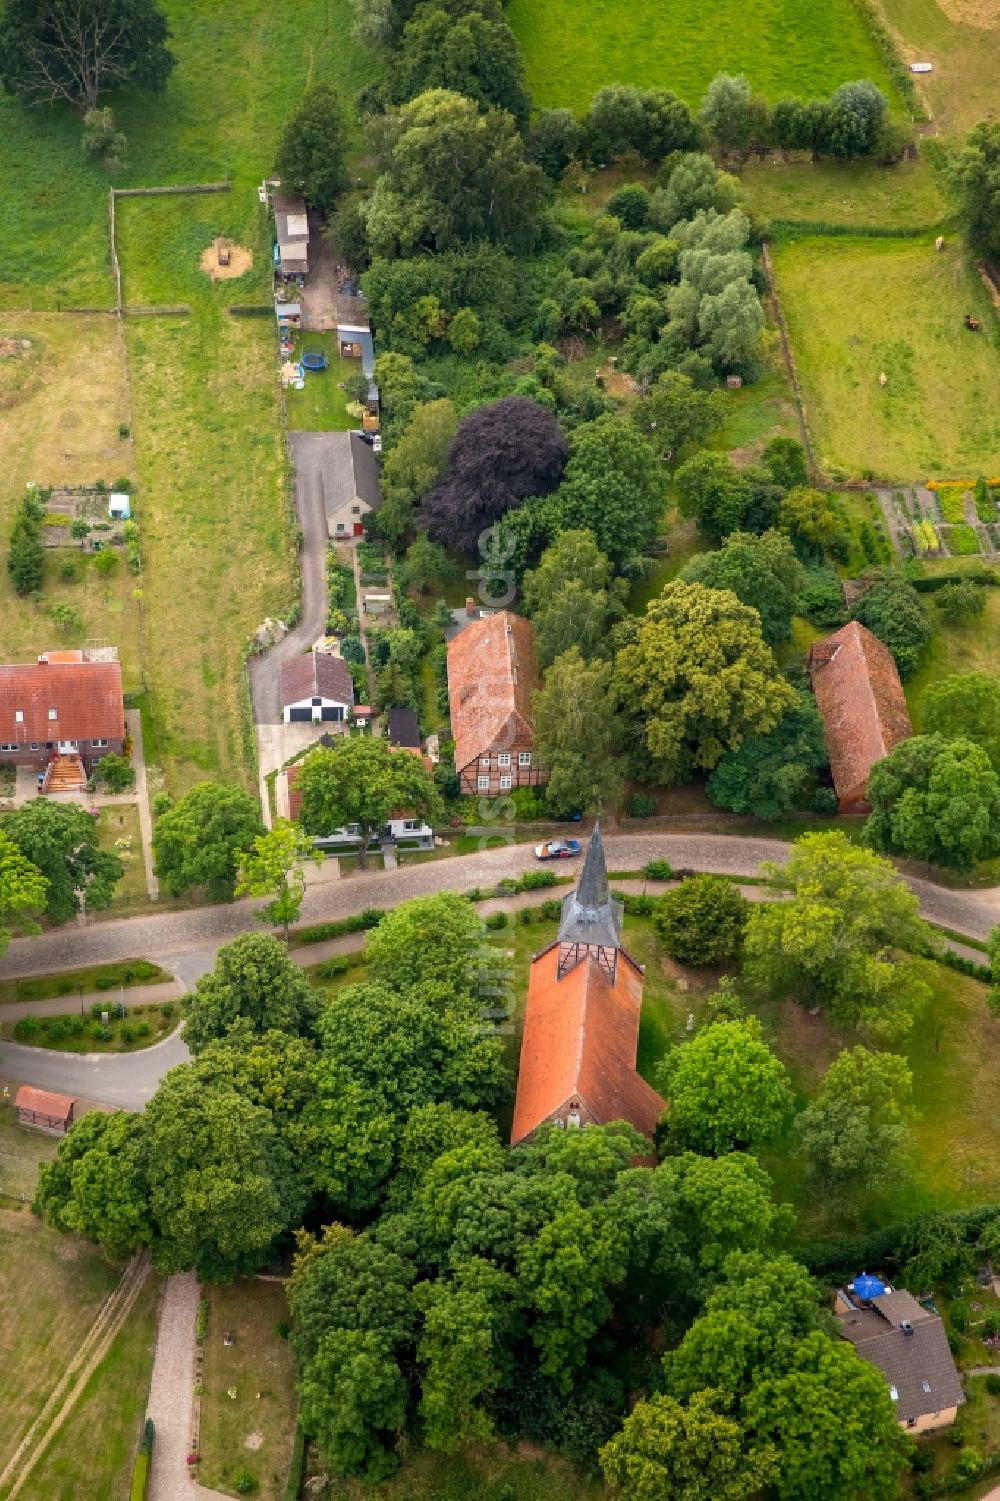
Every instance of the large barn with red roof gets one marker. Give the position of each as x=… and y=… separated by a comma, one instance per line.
x=862, y=705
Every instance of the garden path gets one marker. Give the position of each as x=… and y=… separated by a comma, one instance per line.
x=171, y=1395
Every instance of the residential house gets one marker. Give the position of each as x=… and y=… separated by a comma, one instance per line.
x=61, y=714
x=861, y=701
x=291, y=225
x=314, y=689
x=581, y=1020
x=44, y=1110
x=350, y=481
x=404, y=730
x=909, y=1345
x=491, y=678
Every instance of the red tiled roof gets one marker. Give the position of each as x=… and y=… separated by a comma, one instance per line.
x=580, y=1039
x=294, y=795
x=42, y=1102
x=87, y=698
x=861, y=700
x=491, y=677
x=315, y=675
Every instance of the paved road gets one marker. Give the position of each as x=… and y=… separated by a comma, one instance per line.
x=307, y=456
x=186, y=942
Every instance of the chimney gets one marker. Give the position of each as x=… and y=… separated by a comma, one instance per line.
x=906, y=1326
x=470, y=607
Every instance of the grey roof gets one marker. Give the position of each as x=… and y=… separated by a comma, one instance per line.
x=404, y=728
x=316, y=675
x=287, y=206
x=918, y=1365
x=348, y=468
x=590, y=914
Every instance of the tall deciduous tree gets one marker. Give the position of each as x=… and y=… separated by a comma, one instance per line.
x=432, y=941
x=362, y=780
x=312, y=152
x=715, y=492
x=676, y=413
x=23, y=888
x=274, y=866
x=60, y=840
x=577, y=734
x=725, y=1090
x=414, y=464
x=96, y=1185
x=762, y=572
x=767, y=774
x=811, y=520
x=454, y=175
x=614, y=487
x=200, y=839
x=702, y=920
x=936, y=800
x=965, y=706
x=856, y=1130
x=254, y=981
x=892, y=611
x=727, y=111
x=572, y=597
x=836, y=941
x=77, y=50
x=975, y=170
x=695, y=677
x=685, y=1453
x=469, y=49
x=503, y=452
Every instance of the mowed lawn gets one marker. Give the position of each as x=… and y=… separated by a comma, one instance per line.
x=215, y=529
x=574, y=47
x=241, y=68
x=51, y=1288
x=859, y=307
x=959, y=39
x=254, y=1429
x=862, y=195
x=93, y=1451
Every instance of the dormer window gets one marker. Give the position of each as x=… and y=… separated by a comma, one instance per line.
x=926, y=1385
x=18, y=716
x=893, y=1393
x=53, y=714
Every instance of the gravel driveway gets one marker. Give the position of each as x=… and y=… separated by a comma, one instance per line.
x=171, y=1394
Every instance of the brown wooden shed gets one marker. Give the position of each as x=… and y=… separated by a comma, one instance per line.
x=44, y=1110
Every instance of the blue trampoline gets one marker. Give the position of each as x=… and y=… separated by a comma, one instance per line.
x=315, y=362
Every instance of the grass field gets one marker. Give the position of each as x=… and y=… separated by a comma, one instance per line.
x=113, y=1406
x=573, y=47
x=958, y=37
x=121, y=821
x=908, y=196
x=21, y=1154
x=956, y=648
x=856, y=308
x=51, y=1287
x=215, y=537
x=124, y=975
x=241, y=68
x=253, y=1430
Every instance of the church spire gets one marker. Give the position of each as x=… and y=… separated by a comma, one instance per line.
x=591, y=921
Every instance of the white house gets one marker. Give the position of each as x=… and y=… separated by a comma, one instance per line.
x=400, y=829
x=315, y=689
x=350, y=483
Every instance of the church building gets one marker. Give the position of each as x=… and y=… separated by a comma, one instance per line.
x=581, y=1023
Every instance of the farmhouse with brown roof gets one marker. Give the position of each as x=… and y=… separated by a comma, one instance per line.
x=491, y=678
x=909, y=1345
x=860, y=698
x=61, y=714
x=581, y=1022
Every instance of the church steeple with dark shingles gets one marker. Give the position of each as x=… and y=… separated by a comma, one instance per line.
x=591, y=920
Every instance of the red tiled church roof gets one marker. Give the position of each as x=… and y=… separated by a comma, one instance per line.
x=87, y=698
x=862, y=704
x=491, y=677
x=581, y=1036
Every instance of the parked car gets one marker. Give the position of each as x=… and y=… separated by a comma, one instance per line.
x=557, y=849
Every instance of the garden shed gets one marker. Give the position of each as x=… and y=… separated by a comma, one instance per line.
x=43, y=1110
x=119, y=507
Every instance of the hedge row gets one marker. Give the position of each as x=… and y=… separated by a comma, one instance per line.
x=834, y=1260
x=358, y=922
x=984, y=576
x=294, y=1486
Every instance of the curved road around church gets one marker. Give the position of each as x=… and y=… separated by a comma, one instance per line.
x=185, y=943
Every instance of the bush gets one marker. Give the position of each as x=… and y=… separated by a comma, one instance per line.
x=140, y=1476
x=106, y=562
x=100, y=1033
x=57, y=1029
x=201, y=1321
x=496, y=921
x=128, y=1034
x=536, y=880
x=297, y=1469
x=103, y=982
x=167, y=1008
x=27, y=1028
x=143, y=1029
x=702, y=920
x=528, y=804
x=333, y=968
x=244, y=1483
x=824, y=800
x=526, y=917
x=641, y=805
x=75, y=1026
x=993, y=1384
x=550, y=910
x=658, y=870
